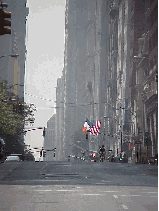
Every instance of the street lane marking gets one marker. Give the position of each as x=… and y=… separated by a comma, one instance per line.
x=109, y=191
x=58, y=180
x=40, y=180
x=115, y=196
x=60, y=175
x=149, y=192
x=135, y=195
x=67, y=190
x=101, y=183
x=47, y=180
x=92, y=194
x=43, y=190
x=130, y=195
x=125, y=207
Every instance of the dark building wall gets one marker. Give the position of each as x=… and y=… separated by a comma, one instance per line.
x=14, y=44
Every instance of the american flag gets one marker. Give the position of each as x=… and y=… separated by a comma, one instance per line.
x=95, y=128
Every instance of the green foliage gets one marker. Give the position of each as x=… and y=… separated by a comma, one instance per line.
x=12, y=121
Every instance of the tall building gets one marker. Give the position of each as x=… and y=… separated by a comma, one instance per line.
x=12, y=69
x=60, y=118
x=110, y=68
x=146, y=84
x=85, y=73
x=50, y=140
x=74, y=71
x=136, y=72
x=113, y=130
x=13, y=50
x=123, y=62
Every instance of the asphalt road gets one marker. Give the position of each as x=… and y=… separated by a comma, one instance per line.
x=78, y=186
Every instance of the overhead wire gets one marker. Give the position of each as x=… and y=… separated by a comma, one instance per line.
x=70, y=103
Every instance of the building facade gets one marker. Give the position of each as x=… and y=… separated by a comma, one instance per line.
x=74, y=71
x=12, y=69
x=146, y=82
x=113, y=130
x=50, y=140
x=60, y=119
x=110, y=75
x=13, y=51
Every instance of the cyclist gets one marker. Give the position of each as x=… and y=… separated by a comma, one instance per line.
x=102, y=152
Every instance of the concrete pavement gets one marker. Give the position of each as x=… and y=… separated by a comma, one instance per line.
x=78, y=186
x=77, y=198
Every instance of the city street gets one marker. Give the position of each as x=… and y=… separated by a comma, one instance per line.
x=79, y=105
x=78, y=186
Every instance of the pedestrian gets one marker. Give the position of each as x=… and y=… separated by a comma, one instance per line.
x=112, y=158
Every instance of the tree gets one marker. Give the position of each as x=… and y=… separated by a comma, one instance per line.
x=14, y=113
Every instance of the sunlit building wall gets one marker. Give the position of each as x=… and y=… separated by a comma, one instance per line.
x=12, y=68
x=100, y=74
x=75, y=45
x=49, y=139
x=112, y=131
x=123, y=62
x=60, y=118
x=14, y=44
x=97, y=64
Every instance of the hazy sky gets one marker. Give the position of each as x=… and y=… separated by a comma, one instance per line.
x=45, y=59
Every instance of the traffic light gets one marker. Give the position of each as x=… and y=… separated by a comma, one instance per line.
x=21, y=108
x=156, y=77
x=15, y=107
x=18, y=108
x=41, y=153
x=44, y=132
x=44, y=153
x=120, y=156
x=147, y=141
x=4, y=22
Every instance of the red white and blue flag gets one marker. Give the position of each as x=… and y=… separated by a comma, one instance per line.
x=89, y=127
x=86, y=127
x=95, y=128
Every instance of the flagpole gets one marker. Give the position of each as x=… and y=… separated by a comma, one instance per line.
x=93, y=91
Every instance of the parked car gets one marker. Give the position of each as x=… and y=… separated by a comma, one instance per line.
x=38, y=159
x=12, y=158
